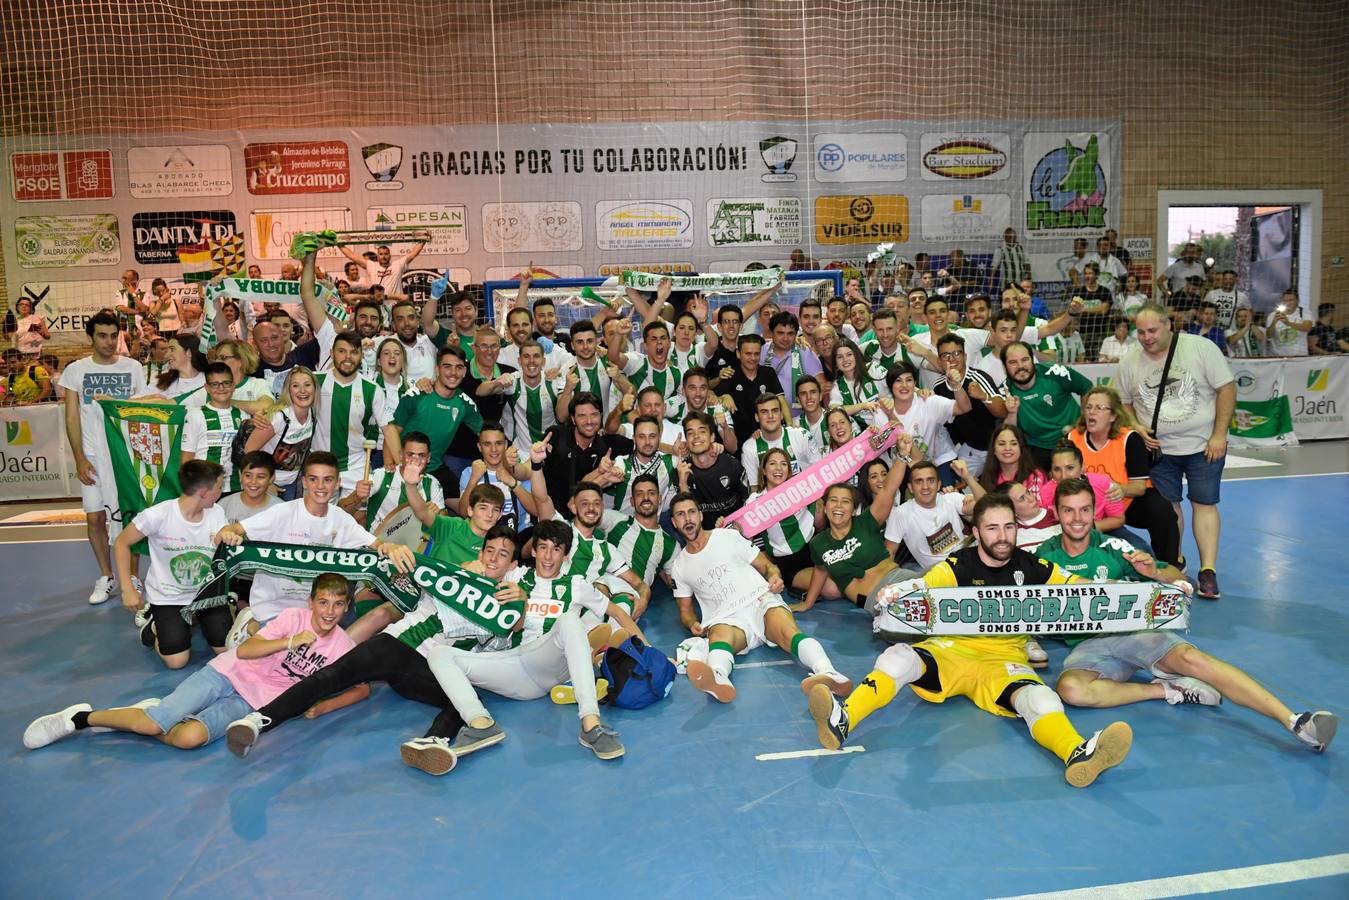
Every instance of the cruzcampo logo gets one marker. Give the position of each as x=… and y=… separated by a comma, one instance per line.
x=18, y=434
x=1318, y=379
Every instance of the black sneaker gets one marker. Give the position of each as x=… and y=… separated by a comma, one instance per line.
x=1103, y=750
x=1208, y=585
x=148, y=634
x=831, y=719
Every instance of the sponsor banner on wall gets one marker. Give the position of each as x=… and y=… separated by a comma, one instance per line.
x=1318, y=394
x=1067, y=183
x=447, y=224
x=35, y=462
x=156, y=236
x=607, y=270
x=62, y=175
x=754, y=221
x=67, y=305
x=863, y=156
x=50, y=242
x=965, y=156
x=862, y=219
x=297, y=167
x=382, y=161
x=185, y=170
x=517, y=227
x=541, y=271
x=271, y=230
x=965, y=217
x=643, y=224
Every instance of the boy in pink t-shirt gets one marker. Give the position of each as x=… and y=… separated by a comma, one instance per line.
x=296, y=643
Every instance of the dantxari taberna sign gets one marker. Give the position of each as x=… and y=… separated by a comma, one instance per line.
x=1057, y=610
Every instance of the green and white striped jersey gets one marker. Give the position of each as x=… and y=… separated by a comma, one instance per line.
x=678, y=408
x=816, y=433
x=792, y=534
x=687, y=359
x=390, y=492
x=596, y=380
x=424, y=628
x=641, y=373
x=662, y=465
x=792, y=439
x=208, y=433
x=531, y=410
x=591, y=557
x=549, y=598
x=347, y=416
x=650, y=550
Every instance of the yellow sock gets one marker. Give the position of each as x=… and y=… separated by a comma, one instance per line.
x=874, y=691
x=1056, y=734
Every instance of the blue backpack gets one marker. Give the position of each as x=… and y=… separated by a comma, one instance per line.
x=638, y=675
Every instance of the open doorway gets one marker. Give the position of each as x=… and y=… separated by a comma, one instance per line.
x=1270, y=240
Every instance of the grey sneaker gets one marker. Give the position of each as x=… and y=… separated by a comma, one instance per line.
x=603, y=740
x=243, y=733
x=1186, y=689
x=52, y=727
x=1315, y=729
x=430, y=754
x=470, y=740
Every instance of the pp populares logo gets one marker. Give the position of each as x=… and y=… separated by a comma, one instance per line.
x=778, y=154
x=382, y=162
x=831, y=157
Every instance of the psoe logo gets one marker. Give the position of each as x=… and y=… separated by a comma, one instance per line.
x=382, y=161
x=964, y=159
x=18, y=434
x=778, y=155
x=1318, y=379
x=1067, y=189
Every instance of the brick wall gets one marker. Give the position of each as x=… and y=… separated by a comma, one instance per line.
x=1241, y=94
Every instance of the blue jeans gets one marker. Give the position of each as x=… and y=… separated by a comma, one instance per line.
x=1201, y=477
x=205, y=696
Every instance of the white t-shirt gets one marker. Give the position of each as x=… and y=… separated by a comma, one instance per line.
x=286, y=424
x=1178, y=271
x=1197, y=371
x=28, y=342
x=989, y=361
x=388, y=276
x=421, y=359
x=1112, y=349
x=720, y=576
x=121, y=379
x=1283, y=339
x=1112, y=271
x=930, y=534
x=1130, y=304
x=1228, y=302
x=925, y=422
x=291, y=523
x=249, y=389
x=180, y=551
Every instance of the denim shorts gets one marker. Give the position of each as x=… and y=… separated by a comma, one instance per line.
x=1202, y=477
x=1118, y=656
x=205, y=696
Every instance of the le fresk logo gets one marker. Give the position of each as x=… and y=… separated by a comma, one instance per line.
x=382, y=161
x=778, y=155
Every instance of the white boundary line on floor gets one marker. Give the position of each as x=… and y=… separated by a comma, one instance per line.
x=1207, y=882
x=1269, y=477
x=4, y=543
x=766, y=663
x=800, y=754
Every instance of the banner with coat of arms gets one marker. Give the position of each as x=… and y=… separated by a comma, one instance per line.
x=144, y=449
x=1263, y=417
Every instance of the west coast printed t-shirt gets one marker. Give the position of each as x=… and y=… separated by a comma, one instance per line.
x=262, y=680
x=121, y=379
x=180, y=551
x=290, y=523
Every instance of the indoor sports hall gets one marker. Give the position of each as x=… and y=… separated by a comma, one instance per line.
x=587, y=145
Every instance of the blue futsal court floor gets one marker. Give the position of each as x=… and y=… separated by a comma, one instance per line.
x=944, y=801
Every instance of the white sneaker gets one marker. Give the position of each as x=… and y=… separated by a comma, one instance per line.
x=1186, y=689
x=238, y=632
x=430, y=754
x=53, y=727
x=837, y=682
x=1315, y=729
x=709, y=681
x=102, y=590
x=1036, y=654
x=142, y=617
x=243, y=733
x=139, y=704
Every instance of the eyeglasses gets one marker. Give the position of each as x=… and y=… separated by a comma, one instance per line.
x=220, y=384
x=951, y=354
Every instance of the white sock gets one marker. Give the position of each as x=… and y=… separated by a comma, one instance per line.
x=813, y=657
x=721, y=662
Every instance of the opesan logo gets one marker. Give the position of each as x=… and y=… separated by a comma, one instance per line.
x=18, y=434
x=1318, y=379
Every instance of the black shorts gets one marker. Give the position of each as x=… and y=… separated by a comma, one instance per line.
x=173, y=635
x=791, y=566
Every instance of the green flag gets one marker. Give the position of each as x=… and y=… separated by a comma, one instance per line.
x=1263, y=417
x=144, y=449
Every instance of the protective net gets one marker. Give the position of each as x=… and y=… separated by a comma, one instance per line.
x=521, y=131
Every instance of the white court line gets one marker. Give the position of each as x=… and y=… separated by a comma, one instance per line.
x=4, y=543
x=798, y=754
x=1207, y=882
x=766, y=663
x=1271, y=477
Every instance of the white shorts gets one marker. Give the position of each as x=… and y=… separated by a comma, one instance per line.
x=101, y=496
x=749, y=619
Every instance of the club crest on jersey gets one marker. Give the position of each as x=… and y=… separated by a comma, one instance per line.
x=1102, y=573
x=559, y=590
x=726, y=482
x=1019, y=578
